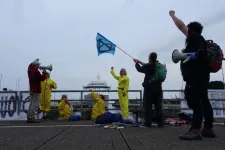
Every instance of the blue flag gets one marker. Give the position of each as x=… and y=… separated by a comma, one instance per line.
x=104, y=45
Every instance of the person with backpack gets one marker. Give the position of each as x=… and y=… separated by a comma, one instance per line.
x=196, y=74
x=155, y=74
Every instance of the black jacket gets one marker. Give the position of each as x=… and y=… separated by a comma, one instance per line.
x=195, y=71
x=149, y=70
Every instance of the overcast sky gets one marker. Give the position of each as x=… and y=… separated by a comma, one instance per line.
x=62, y=33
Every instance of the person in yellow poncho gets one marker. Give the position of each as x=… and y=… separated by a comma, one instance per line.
x=123, y=86
x=45, y=99
x=99, y=107
x=65, y=110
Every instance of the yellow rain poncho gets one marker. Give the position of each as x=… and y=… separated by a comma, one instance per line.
x=98, y=108
x=46, y=89
x=64, y=110
x=123, y=86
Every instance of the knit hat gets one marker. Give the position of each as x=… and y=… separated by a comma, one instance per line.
x=64, y=96
x=36, y=62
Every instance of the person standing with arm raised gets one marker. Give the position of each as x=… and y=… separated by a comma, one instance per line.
x=196, y=74
x=35, y=78
x=123, y=86
x=152, y=90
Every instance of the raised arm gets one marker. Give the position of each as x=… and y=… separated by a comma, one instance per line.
x=144, y=68
x=139, y=68
x=114, y=75
x=95, y=96
x=138, y=61
x=180, y=24
x=39, y=76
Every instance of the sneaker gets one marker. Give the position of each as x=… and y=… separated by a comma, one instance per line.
x=29, y=120
x=147, y=125
x=191, y=135
x=44, y=118
x=160, y=125
x=208, y=133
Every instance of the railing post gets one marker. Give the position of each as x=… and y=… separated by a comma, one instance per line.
x=37, y=111
x=141, y=100
x=81, y=98
x=18, y=102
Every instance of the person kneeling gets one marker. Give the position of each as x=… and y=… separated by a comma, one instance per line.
x=98, y=111
x=64, y=109
x=99, y=107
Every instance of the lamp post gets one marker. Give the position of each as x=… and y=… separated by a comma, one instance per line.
x=223, y=77
x=18, y=84
x=1, y=82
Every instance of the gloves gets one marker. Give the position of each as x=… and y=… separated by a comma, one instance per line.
x=192, y=55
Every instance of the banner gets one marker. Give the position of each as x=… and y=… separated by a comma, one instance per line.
x=217, y=100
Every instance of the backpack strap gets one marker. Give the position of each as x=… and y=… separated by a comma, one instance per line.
x=202, y=51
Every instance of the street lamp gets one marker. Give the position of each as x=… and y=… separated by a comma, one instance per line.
x=223, y=77
x=1, y=82
x=18, y=84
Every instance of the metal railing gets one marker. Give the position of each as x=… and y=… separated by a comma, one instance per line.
x=81, y=95
x=12, y=102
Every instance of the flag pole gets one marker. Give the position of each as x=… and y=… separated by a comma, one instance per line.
x=125, y=52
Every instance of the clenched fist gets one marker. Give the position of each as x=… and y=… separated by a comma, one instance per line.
x=172, y=12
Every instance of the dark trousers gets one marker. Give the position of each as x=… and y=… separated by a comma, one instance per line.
x=198, y=101
x=153, y=97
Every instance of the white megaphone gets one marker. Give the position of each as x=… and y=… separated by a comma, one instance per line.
x=49, y=67
x=177, y=56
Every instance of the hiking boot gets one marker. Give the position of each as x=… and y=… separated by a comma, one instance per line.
x=160, y=125
x=193, y=134
x=208, y=133
x=31, y=120
x=44, y=118
x=147, y=125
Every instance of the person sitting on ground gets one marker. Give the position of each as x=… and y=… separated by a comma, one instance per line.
x=99, y=107
x=64, y=109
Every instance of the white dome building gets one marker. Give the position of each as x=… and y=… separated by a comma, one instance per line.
x=97, y=85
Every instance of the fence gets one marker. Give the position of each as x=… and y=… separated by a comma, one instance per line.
x=13, y=102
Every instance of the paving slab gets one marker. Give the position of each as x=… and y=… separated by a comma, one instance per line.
x=48, y=136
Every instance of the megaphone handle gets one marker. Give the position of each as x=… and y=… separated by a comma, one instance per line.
x=187, y=59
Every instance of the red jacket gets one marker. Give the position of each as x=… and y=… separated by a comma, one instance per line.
x=35, y=78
